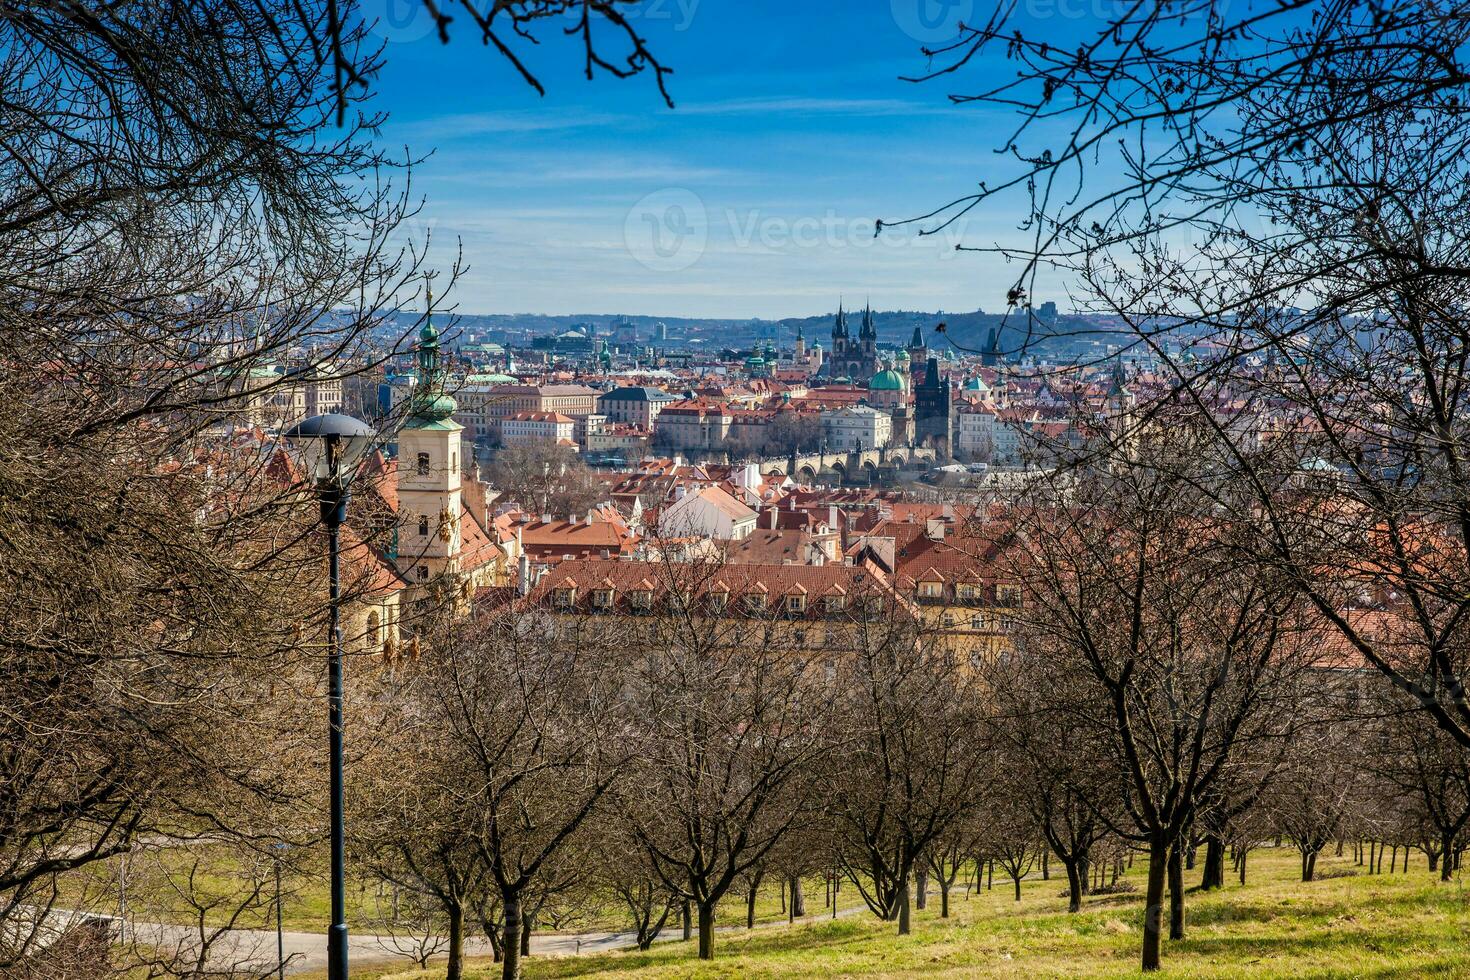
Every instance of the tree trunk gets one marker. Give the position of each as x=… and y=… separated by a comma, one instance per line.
x=707, y=930
x=755, y=884
x=1447, y=845
x=798, y=898
x=1074, y=887
x=1153, y=901
x=528, y=921
x=1017, y=880
x=944, y=885
x=1045, y=866
x=921, y=887
x=688, y=923
x=903, y=906
x=1214, y=876
x=1176, y=891
x=510, y=967
x=456, y=942
x=1243, y=852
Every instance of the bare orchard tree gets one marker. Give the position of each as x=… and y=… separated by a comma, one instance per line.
x=1427, y=772
x=910, y=766
x=495, y=748
x=1132, y=582
x=1317, y=791
x=1043, y=730
x=729, y=702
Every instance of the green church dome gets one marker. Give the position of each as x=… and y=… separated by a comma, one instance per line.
x=886, y=380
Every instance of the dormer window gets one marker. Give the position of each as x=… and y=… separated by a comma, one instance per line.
x=566, y=597
x=602, y=598
x=641, y=599
x=422, y=467
x=1008, y=595
x=930, y=590
x=795, y=605
x=835, y=603
x=755, y=602
x=718, y=601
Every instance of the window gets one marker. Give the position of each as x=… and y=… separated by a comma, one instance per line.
x=640, y=599
x=718, y=601
x=453, y=462
x=423, y=525
x=796, y=604
x=755, y=602
x=834, y=603
x=565, y=598
x=423, y=573
x=930, y=590
x=979, y=621
x=423, y=465
x=948, y=621
x=603, y=598
x=1008, y=595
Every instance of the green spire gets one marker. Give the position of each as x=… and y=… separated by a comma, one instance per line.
x=429, y=403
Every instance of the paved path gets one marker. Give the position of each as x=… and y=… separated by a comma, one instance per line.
x=307, y=951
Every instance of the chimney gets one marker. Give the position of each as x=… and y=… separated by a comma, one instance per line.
x=832, y=516
x=523, y=581
x=773, y=512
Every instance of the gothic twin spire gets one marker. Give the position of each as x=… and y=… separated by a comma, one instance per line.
x=868, y=330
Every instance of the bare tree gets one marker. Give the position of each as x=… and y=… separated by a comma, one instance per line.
x=909, y=766
x=495, y=748
x=1132, y=579
x=728, y=706
x=544, y=478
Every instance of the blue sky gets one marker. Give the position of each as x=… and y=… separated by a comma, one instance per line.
x=755, y=196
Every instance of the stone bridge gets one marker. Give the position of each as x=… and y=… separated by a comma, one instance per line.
x=850, y=467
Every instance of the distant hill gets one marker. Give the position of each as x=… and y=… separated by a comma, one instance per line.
x=968, y=331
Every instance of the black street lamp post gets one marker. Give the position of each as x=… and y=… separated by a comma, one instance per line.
x=332, y=445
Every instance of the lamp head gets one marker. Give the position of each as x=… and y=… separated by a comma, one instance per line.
x=330, y=445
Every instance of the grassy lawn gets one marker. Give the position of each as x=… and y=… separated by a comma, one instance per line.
x=1347, y=925
x=306, y=895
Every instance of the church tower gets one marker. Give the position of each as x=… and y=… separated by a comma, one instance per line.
x=429, y=505
x=868, y=336
x=918, y=356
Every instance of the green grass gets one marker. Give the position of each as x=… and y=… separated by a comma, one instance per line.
x=156, y=874
x=1355, y=925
